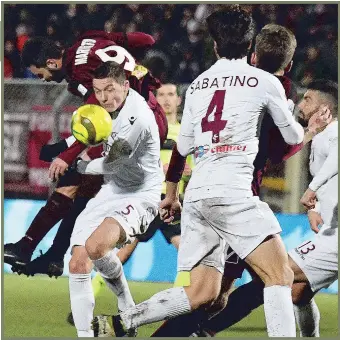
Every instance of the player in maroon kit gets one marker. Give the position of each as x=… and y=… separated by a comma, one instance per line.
x=76, y=64
x=274, y=50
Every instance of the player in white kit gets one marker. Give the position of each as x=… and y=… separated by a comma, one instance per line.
x=316, y=261
x=222, y=110
x=128, y=200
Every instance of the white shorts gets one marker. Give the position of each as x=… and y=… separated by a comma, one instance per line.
x=318, y=258
x=210, y=226
x=134, y=213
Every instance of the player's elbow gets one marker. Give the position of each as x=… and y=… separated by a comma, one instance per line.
x=183, y=150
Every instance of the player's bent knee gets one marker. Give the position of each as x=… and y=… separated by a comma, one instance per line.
x=80, y=265
x=281, y=276
x=95, y=249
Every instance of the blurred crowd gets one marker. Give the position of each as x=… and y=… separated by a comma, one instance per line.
x=183, y=46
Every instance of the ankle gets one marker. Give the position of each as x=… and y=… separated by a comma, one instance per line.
x=27, y=242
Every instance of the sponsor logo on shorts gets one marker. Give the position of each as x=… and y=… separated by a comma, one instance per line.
x=200, y=151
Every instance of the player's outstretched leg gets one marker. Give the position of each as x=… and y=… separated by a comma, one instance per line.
x=241, y=302
x=19, y=254
x=98, y=282
x=81, y=294
x=100, y=249
x=52, y=262
x=306, y=311
x=204, y=287
x=270, y=261
x=308, y=319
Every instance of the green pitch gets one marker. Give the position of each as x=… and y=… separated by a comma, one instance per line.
x=38, y=307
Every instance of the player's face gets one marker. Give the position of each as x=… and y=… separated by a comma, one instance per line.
x=309, y=104
x=109, y=93
x=48, y=74
x=168, y=99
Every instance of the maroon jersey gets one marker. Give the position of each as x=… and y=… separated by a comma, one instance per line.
x=96, y=47
x=271, y=143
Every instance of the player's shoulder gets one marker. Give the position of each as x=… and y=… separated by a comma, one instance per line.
x=332, y=130
x=137, y=104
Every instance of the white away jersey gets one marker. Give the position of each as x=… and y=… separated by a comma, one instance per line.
x=323, y=164
x=222, y=112
x=131, y=161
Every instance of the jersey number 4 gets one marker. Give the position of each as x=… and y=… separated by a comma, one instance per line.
x=216, y=105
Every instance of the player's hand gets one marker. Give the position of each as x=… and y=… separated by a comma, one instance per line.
x=168, y=208
x=314, y=220
x=308, y=199
x=57, y=169
x=320, y=119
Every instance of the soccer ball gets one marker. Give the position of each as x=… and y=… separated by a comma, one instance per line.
x=91, y=124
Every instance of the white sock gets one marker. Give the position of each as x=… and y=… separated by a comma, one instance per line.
x=162, y=306
x=82, y=303
x=308, y=319
x=279, y=312
x=112, y=272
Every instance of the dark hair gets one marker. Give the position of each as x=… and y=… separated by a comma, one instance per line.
x=110, y=69
x=173, y=84
x=233, y=30
x=329, y=88
x=275, y=47
x=37, y=50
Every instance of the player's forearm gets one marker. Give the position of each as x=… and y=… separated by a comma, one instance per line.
x=174, y=173
x=134, y=39
x=94, y=167
x=328, y=170
x=176, y=166
x=292, y=132
x=72, y=152
x=309, y=135
x=291, y=150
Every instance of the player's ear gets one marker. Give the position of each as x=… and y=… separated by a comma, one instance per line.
x=253, y=59
x=52, y=64
x=289, y=67
x=126, y=85
x=179, y=100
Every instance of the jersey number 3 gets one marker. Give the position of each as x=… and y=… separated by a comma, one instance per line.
x=216, y=105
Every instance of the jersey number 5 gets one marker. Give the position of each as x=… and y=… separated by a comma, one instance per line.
x=216, y=125
x=122, y=56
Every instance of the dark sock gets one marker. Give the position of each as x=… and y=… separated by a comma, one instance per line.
x=57, y=206
x=242, y=301
x=181, y=326
x=61, y=241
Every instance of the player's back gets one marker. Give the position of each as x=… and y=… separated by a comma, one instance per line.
x=88, y=53
x=226, y=105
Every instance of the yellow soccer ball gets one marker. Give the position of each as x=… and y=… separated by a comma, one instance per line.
x=91, y=124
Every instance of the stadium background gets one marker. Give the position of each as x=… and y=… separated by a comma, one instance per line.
x=36, y=113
